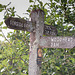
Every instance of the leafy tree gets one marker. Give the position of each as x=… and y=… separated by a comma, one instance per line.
x=14, y=53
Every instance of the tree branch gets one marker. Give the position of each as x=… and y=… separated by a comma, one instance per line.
x=5, y=37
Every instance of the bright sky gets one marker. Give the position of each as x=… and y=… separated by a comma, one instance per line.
x=20, y=6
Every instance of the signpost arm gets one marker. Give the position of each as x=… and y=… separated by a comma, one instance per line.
x=37, y=16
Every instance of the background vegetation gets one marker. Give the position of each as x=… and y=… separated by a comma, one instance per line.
x=14, y=54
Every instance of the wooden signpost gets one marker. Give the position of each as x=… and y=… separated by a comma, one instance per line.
x=21, y=24
x=37, y=29
x=57, y=42
x=50, y=30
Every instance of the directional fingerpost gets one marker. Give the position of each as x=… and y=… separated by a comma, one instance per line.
x=57, y=42
x=37, y=29
x=50, y=30
x=19, y=24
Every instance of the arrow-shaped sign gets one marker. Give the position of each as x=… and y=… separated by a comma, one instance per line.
x=19, y=24
x=57, y=42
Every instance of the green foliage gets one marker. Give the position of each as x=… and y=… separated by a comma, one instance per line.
x=14, y=57
x=58, y=61
x=10, y=12
x=35, y=5
x=2, y=7
x=31, y=1
x=14, y=54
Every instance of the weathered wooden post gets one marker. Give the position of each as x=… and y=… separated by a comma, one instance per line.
x=37, y=18
x=37, y=28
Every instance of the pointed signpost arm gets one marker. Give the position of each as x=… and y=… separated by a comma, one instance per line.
x=57, y=42
x=19, y=24
x=22, y=24
x=37, y=17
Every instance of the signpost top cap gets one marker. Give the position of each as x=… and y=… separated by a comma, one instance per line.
x=36, y=10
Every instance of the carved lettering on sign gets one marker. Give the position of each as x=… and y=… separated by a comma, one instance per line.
x=19, y=24
x=50, y=30
x=15, y=23
x=57, y=42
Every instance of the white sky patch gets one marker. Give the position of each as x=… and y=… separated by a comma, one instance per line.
x=3, y=69
x=20, y=6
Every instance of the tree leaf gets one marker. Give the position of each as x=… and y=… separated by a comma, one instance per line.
x=31, y=1
x=1, y=23
x=5, y=27
x=1, y=35
x=40, y=2
x=1, y=5
x=1, y=10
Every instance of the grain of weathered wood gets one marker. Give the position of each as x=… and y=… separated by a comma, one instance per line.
x=50, y=30
x=37, y=17
x=57, y=42
x=19, y=24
